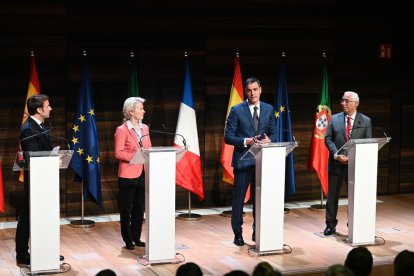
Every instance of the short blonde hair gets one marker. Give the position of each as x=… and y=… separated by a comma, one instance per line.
x=130, y=104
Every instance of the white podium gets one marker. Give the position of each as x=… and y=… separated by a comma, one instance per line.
x=270, y=194
x=159, y=201
x=45, y=207
x=362, y=187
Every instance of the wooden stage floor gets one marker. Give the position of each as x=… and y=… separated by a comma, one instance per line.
x=208, y=242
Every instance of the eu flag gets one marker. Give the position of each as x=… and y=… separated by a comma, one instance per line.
x=84, y=142
x=284, y=129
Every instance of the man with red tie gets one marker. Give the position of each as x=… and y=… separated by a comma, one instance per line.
x=343, y=126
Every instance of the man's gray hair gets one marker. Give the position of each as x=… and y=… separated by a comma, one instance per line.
x=353, y=94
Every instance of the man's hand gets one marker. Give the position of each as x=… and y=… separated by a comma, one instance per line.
x=264, y=140
x=342, y=159
x=253, y=140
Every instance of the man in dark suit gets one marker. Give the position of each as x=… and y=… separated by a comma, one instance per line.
x=33, y=137
x=249, y=122
x=343, y=126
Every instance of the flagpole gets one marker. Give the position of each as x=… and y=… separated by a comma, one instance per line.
x=82, y=223
x=320, y=207
x=283, y=54
x=189, y=216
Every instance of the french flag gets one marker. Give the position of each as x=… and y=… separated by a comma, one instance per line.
x=188, y=169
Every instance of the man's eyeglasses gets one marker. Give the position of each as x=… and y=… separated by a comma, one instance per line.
x=346, y=101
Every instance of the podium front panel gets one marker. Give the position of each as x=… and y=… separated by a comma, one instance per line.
x=270, y=198
x=160, y=205
x=362, y=193
x=44, y=213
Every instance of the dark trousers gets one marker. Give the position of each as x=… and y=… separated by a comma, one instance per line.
x=131, y=207
x=242, y=179
x=335, y=180
x=23, y=225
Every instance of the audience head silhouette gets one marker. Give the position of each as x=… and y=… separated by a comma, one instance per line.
x=404, y=263
x=236, y=273
x=359, y=261
x=106, y=272
x=264, y=269
x=189, y=269
x=338, y=270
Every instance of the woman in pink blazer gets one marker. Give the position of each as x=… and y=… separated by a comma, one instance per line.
x=130, y=137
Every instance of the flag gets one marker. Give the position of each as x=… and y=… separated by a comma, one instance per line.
x=188, y=169
x=1, y=189
x=318, y=153
x=33, y=89
x=133, y=79
x=284, y=128
x=84, y=142
x=236, y=97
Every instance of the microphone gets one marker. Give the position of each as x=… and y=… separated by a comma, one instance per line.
x=170, y=133
x=162, y=132
x=140, y=141
x=182, y=137
x=62, y=138
x=356, y=126
x=37, y=133
x=45, y=132
x=344, y=149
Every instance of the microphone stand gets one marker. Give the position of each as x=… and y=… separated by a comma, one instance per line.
x=82, y=223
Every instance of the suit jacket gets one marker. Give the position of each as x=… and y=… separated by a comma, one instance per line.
x=126, y=144
x=335, y=136
x=33, y=137
x=240, y=125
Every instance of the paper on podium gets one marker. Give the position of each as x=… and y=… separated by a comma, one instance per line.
x=141, y=155
x=64, y=158
x=255, y=149
x=352, y=142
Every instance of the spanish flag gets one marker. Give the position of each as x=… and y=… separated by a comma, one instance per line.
x=236, y=97
x=31, y=90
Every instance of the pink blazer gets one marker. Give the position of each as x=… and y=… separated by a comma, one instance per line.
x=126, y=144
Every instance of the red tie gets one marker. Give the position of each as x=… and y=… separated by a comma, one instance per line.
x=348, y=127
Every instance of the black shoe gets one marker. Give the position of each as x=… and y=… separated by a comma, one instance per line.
x=254, y=236
x=130, y=246
x=329, y=231
x=140, y=244
x=23, y=260
x=61, y=258
x=238, y=240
